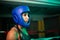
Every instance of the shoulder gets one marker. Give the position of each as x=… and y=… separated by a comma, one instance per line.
x=11, y=34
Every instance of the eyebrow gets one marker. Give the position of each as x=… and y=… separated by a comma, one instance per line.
x=25, y=13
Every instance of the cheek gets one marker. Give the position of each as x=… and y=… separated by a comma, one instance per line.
x=23, y=17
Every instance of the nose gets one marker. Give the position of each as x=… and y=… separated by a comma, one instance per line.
x=27, y=16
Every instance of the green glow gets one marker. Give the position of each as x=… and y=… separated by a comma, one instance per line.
x=43, y=3
x=51, y=1
x=24, y=31
x=40, y=2
x=49, y=38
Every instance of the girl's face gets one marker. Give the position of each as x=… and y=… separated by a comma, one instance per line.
x=25, y=17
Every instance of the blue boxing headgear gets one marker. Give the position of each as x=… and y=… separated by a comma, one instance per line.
x=17, y=15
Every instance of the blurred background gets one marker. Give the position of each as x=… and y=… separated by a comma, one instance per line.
x=45, y=17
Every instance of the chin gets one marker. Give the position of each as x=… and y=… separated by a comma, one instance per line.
x=26, y=21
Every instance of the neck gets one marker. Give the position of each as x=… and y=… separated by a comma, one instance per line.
x=19, y=27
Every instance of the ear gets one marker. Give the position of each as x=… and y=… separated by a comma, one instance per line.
x=15, y=18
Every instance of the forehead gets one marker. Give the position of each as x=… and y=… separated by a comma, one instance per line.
x=25, y=13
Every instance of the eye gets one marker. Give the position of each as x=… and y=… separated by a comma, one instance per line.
x=24, y=14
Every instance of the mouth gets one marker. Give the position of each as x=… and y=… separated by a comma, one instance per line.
x=26, y=21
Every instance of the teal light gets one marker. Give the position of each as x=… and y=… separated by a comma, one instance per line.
x=48, y=38
x=38, y=2
x=51, y=1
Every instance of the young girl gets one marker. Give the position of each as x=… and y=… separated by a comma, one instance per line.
x=21, y=18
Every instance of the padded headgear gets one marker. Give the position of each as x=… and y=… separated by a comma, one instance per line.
x=17, y=15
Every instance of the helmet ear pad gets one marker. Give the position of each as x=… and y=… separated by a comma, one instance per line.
x=15, y=18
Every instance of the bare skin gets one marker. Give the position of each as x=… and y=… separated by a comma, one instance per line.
x=12, y=33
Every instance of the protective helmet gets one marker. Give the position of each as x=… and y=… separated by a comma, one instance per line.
x=17, y=15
